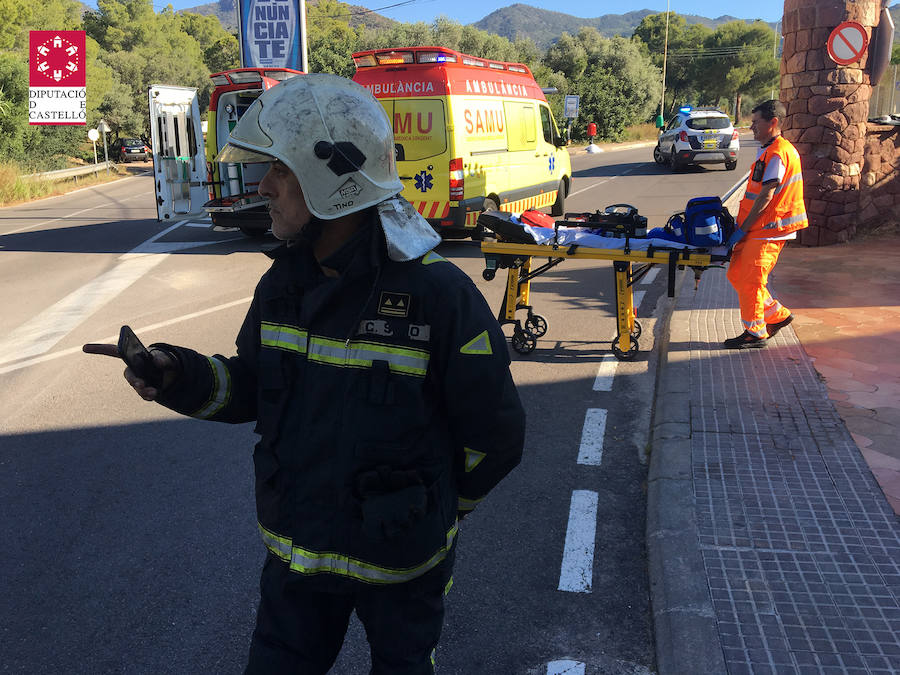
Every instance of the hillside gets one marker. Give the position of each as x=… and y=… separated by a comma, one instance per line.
x=544, y=26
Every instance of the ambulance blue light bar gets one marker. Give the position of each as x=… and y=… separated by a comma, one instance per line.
x=435, y=57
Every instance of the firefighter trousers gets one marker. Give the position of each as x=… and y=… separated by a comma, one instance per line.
x=748, y=272
x=301, y=632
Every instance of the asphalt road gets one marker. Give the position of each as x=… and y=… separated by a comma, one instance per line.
x=129, y=534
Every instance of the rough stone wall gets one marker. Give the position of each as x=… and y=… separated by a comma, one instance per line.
x=879, y=189
x=827, y=107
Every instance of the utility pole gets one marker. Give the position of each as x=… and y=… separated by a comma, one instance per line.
x=662, y=100
x=775, y=50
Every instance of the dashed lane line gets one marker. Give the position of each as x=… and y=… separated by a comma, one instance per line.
x=590, y=452
x=576, y=573
x=606, y=371
x=565, y=667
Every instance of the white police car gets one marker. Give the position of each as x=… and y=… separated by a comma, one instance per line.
x=698, y=136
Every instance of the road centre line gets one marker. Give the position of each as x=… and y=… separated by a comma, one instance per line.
x=590, y=452
x=638, y=296
x=54, y=220
x=577, y=570
x=114, y=338
x=565, y=667
x=605, y=373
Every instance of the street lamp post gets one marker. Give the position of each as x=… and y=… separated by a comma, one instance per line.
x=775, y=50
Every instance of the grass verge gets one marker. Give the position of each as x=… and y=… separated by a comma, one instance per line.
x=16, y=190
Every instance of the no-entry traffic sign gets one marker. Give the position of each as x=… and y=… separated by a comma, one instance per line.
x=847, y=43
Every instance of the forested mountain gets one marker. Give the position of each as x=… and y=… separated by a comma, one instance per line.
x=544, y=27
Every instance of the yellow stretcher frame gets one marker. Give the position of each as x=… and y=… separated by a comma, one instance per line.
x=517, y=260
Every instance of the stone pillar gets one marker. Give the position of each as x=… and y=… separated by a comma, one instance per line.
x=827, y=107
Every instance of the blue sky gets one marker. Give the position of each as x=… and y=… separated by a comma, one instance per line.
x=470, y=11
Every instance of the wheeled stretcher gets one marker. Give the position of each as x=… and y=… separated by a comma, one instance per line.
x=517, y=257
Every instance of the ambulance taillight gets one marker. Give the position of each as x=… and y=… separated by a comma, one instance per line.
x=457, y=179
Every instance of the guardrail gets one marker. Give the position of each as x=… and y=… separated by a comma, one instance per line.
x=69, y=173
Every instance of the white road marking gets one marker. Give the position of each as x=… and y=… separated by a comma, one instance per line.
x=605, y=373
x=113, y=338
x=590, y=452
x=39, y=335
x=650, y=276
x=638, y=296
x=69, y=215
x=576, y=574
x=42, y=332
x=599, y=183
x=565, y=667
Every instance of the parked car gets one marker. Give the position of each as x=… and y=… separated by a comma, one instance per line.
x=129, y=150
x=698, y=136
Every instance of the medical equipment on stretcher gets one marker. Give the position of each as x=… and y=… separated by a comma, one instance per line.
x=518, y=244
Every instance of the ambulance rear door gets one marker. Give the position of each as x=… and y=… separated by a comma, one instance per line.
x=421, y=143
x=179, y=166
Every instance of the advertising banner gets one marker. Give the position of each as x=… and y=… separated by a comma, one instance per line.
x=56, y=77
x=271, y=33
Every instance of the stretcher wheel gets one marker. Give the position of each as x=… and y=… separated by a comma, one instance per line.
x=488, y=275
x=523, y=341
x=536, y=325
x=625, y=356
x=636, y=331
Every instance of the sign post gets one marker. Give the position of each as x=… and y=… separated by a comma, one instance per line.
x=93, y=135
x=104, y=129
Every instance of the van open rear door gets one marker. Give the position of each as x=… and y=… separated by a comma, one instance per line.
x=179, y=165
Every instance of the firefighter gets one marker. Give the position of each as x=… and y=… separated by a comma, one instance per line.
x=770, y=213
x=378, y=379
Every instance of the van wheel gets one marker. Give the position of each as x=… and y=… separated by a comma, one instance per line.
x=559, y=206
x=730, y=166
x=490, y=205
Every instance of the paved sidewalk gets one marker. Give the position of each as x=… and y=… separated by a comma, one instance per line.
x=772, y=547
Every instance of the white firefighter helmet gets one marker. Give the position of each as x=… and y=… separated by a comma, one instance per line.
x=331, y=133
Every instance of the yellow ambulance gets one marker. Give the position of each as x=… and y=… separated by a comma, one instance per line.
x=471, y=134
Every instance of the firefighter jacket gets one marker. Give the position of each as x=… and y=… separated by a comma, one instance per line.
x=786, y=212
x=384, y=405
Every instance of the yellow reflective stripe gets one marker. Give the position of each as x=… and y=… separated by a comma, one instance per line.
x=362, y=354
x=467, y=504
x=281, y=336
x=355, y=354
x=473, y=458
x=432, y=653
x=449, y=585
x=304, y=561
x=480, y=344
x=432, y=257
x=221, y=391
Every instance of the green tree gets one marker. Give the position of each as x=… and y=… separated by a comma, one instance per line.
x=739, y=61
x=567, y=56
x=331, y=40
x=220, y=49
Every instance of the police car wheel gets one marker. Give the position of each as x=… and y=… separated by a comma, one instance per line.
x=673, y=161
x=559, y=206
x=658, y=156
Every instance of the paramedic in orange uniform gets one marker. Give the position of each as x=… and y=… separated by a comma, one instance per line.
x=770, y=214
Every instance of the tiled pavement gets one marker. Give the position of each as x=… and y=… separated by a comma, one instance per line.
x=772, y=547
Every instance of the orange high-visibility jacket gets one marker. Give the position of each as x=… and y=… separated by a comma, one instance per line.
x=786, y=212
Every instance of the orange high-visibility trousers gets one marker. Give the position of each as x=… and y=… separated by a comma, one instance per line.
x=748, y=272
